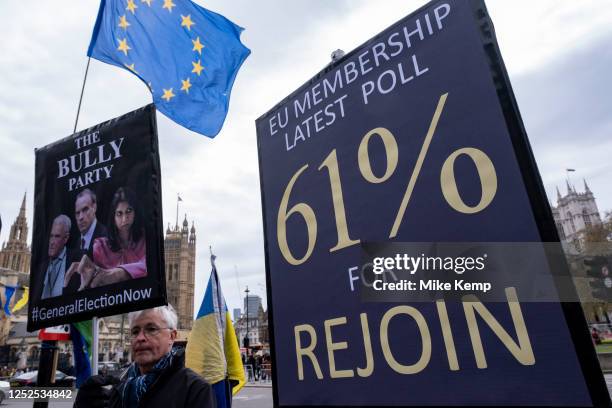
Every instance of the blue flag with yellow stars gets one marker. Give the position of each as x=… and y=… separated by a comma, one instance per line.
x=188, y=56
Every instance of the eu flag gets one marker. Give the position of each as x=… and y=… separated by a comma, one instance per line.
x=188, y=56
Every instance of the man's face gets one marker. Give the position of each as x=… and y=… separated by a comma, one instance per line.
x=57, y=239
x=85, y=212
x=149, y=345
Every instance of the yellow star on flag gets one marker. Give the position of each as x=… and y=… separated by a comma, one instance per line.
x=197, y=67
x=197, y=45
x=187, y=21
x=123, y=22
x=148, y=2
x=131, y=6
x=168, y=95
x=123, y=46
x=168, y=4
x=131, y=67
x=186, y=85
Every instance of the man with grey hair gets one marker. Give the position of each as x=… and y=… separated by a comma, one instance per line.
x=59, y=260
x=157, y=377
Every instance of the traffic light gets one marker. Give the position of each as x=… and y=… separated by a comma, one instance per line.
x=598, y=268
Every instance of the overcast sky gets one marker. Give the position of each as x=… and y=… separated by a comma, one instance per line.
x=557, y=53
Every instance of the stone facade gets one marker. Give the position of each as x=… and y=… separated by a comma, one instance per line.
x=15, y=254
x=574, y=213
x=114, y=339
x=15, y=272
x=180, y=253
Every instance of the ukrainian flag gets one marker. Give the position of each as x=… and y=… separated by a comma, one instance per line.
x=212, y=347
x=23, y=301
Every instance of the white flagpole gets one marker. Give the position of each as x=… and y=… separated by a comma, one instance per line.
x=94, y=346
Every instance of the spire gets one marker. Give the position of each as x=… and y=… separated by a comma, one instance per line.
x=185, y=229
x=569, y=188
x=22, y=210
x=586, y=187
x=19, y=230
x=192, y=235
x=558, y=194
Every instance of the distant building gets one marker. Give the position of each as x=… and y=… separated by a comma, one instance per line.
x=114, y=335
x=180, y=254
x=236, y=314
x=22, y=348
x=573, y=214
x=252, y=303
x=15, y=254
x=15, y=259
x=257, y=328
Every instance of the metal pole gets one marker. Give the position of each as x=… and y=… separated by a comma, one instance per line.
x=178, y=198
x=46, y=368
x=81, y=98
x=248, y=341
x=94, y=346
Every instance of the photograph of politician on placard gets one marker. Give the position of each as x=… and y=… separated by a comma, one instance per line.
x=100, y=256
x=119, y=252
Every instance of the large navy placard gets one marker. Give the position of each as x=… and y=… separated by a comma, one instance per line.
x=412, y=137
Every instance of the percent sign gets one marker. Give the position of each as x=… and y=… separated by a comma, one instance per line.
x=448, y=184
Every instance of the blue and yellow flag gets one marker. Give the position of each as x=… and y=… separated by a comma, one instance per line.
x=8, y=294
x=23, y=301
x=212, y=347
x=188, y=56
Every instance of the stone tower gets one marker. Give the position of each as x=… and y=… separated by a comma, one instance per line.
x=180, y=251
x=574, y=213
x=15, y=254
x=15, y=271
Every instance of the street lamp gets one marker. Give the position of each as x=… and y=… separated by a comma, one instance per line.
x=246, y=337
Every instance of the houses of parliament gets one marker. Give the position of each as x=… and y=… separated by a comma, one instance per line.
x=15, y=256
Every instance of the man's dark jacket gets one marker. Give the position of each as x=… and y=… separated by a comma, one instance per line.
x=98, y=232
x=176, y=387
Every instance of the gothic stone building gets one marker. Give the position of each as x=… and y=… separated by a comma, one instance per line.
x=15, y=254
x=15, y=258
x=180, y=251
x=15, y=267
x=574, y=213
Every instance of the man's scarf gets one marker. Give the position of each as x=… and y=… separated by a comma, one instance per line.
x=137, y=385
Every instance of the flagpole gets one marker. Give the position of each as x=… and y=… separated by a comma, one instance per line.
x=218, y=302
x=567, y=176
x=81, y=98
x=178, y=197
x=94, y=346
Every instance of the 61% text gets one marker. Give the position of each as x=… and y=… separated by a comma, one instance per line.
x=448, y=184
